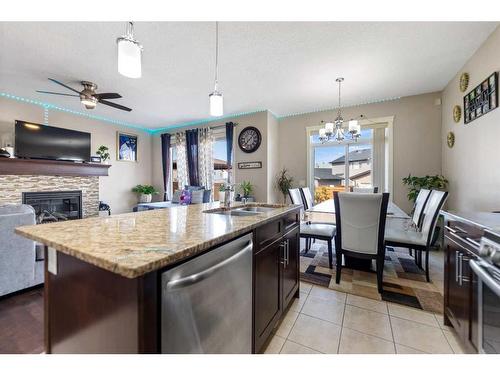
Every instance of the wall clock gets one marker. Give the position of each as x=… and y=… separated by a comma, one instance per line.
x=249, y=139
x=450, y=139
x=457, y=113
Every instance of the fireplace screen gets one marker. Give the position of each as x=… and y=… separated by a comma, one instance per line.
x=55, y=205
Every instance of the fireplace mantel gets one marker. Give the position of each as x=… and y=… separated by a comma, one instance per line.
x=36, y=167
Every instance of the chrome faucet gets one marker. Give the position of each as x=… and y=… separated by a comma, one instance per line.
x=227, y=198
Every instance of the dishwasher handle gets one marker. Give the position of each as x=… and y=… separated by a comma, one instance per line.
x=197, y=277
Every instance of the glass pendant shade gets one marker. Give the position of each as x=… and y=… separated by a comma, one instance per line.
x=354, y=127
x=329, y=126
x=129, y=58
x=216, y=104
x=322, y=133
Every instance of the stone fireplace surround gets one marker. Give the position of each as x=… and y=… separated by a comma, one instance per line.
x=12, y=187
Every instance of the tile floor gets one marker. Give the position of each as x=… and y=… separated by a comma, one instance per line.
x=327, y=321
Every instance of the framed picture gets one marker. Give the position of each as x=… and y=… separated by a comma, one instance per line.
x=126, y=147
x=482, y=99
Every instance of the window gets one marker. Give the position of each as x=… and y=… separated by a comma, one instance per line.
x=340, y=166
x=221, y=171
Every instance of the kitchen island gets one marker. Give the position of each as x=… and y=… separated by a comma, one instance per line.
x=103, y=275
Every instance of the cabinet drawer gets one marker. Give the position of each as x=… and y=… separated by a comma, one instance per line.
x=266, y=233
x=290, y=221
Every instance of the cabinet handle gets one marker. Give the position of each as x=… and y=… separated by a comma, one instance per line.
x=284, y=261
x=287, y=252
x=470, y=240
x=450, y=229
x=460, y=266
x=464, y=279
x=456, y=266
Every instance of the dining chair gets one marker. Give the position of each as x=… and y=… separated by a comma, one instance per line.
x=357, y=189
x=421, y=239
x=360, y=220
x=314, y=231
x=307, y=197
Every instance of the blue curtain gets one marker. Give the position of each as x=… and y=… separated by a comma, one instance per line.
x=192, y=156
x=229, y=143
x=165, y=160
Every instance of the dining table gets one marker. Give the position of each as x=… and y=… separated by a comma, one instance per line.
x=324, y=212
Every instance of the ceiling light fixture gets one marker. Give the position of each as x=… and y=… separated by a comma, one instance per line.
x=216, y=99
x=336, y=130
x=129, y=54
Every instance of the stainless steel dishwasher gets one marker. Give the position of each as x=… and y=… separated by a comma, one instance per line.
x=206, y=304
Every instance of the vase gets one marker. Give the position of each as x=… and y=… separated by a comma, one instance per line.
x=221, y=196
x=145, y=198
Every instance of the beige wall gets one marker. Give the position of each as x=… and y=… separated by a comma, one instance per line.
x=273, y=196
x=417, y=138
x=114, y=189
x=471, y=165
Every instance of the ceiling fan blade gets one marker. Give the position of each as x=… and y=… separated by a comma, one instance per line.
x=57, y=93
x=108, y=95
x=63, y=85
x=114, y=105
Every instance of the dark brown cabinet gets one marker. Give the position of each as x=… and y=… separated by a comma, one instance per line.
x=460, y=300
x=276, y=276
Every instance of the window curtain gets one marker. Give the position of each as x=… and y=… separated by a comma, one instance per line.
x=180, y=148
x=165, y=159
x=229, y=149
x=192, y=156
x=378, y=161
x=205, y=158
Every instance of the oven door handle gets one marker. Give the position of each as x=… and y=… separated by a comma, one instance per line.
x=485, y=277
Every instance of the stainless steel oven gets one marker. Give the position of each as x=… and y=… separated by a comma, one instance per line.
x=488, y=274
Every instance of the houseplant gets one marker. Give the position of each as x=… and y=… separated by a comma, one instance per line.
x=436, y=182
x=145, y=192
x=246, y=189
x=284, y=183
x=103, y=152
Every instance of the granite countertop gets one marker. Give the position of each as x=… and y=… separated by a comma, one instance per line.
x=134, y=244
x=486, y=220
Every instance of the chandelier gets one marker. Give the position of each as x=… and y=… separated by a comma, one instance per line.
x=336, y=130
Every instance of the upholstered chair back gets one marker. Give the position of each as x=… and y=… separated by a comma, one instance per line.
x=362, y=221
x=419, y=205
x=308, y=199
x=431, y=211
x=365, y=190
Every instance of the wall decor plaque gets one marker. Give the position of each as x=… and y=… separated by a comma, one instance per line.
x=457, y=113
x=250, y=165
x=450, y=139
x=481, y=100
x=464, y=81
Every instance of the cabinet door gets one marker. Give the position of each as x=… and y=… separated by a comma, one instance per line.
x=456, y=293
x=267, y=291
x=469, y=282
x=291, y=266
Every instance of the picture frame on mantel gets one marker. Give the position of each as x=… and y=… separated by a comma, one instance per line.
x=126, y=146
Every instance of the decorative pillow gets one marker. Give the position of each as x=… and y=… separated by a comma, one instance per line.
x=176, y=197
x=185, y=197
x=197, y=196
x=206, y=195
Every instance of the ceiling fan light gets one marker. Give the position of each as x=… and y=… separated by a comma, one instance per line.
x=129, y=57
x=89, y=103
x=216, y=103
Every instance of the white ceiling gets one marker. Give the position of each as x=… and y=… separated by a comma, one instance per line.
x=286, y=67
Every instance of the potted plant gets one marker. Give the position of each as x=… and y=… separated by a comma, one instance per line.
x=145, y=193
x=222, y=192
x=284, y=183
x=436, y=182
x=103, y=152
x=246, y=189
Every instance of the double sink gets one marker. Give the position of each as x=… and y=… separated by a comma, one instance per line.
x=242, y=210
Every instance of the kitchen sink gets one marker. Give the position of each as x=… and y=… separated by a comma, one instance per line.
x=254, y=209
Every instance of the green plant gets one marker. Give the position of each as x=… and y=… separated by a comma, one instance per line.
x=436, y=182
x=144, y=189
x=103, y=152
x=283, y=183
x=222, y=188
x=246, y=188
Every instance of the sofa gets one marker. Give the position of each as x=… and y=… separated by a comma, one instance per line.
x=21, y=265
x=204, y=197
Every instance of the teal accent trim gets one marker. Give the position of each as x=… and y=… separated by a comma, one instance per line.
x=203, y=121
x=47, y=106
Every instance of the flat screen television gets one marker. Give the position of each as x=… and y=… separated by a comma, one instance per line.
x=36, y=141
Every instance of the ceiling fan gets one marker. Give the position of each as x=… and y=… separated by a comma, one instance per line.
x=88, y=97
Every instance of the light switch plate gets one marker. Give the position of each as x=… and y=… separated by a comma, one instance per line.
x=52, y=261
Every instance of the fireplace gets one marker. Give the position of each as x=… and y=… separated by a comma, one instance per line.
x=52, y=206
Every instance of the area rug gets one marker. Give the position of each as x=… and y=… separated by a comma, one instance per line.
x=404, y=282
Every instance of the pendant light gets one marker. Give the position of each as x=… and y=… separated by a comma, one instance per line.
x=215, y=98
x=129, y=54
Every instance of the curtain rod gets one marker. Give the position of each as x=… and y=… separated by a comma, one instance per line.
x=199, y=127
